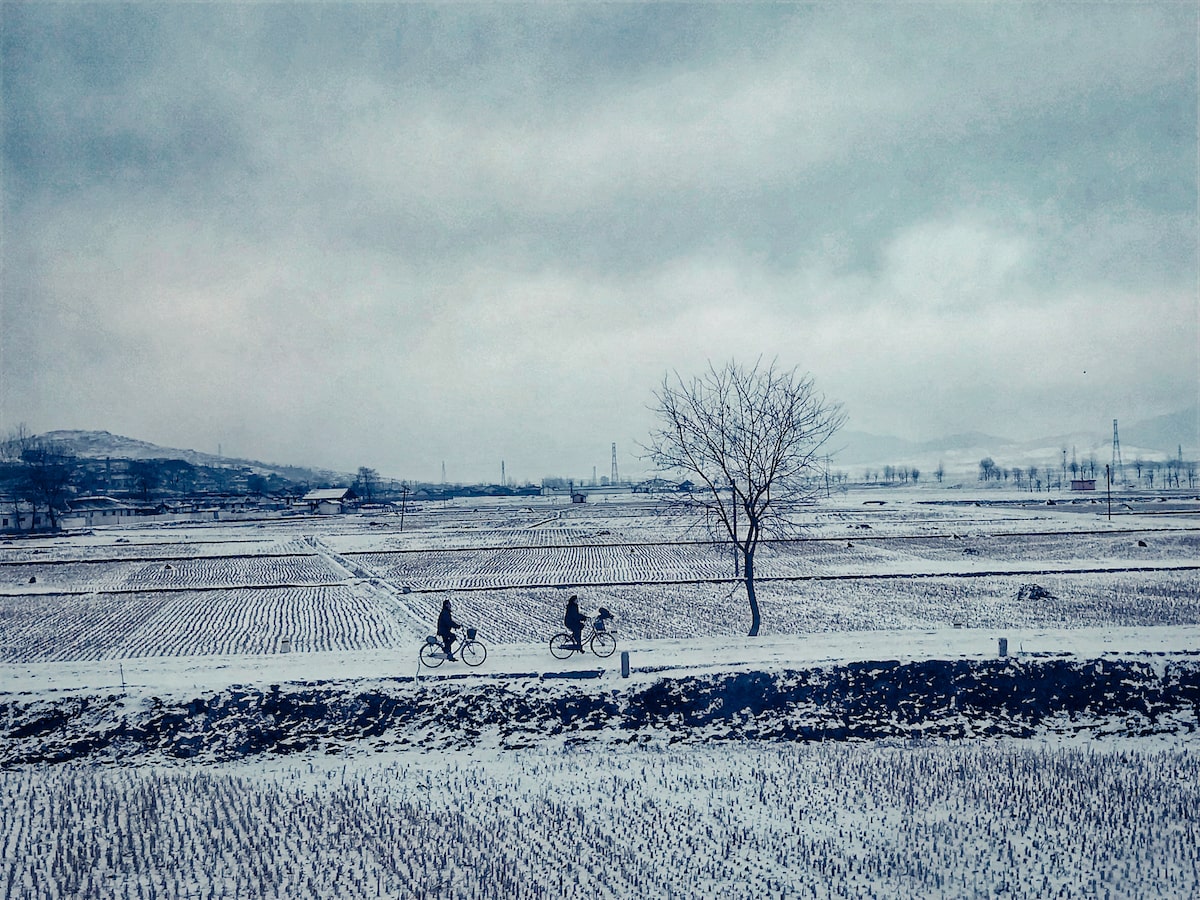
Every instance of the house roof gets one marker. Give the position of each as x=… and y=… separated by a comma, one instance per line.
x=327, y=494
x=80, y=504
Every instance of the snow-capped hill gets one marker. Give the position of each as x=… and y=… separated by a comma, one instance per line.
x=105, y=445
x=101, y=444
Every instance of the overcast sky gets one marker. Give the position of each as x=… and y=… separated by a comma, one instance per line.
x=402, y=235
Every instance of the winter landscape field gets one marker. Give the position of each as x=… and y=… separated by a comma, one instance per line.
x=955, y=694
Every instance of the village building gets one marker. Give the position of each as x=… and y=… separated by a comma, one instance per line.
x=88, y=512
x=328, y=501
x=18, y=516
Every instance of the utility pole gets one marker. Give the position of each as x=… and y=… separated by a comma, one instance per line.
x=613, y=478
x=1108, y=478
x=1118, y=467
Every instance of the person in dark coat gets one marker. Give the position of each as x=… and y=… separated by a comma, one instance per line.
x=445, y=629
x=575, y=620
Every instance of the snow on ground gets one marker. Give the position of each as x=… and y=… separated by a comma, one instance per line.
x=1083, y=808
x=649, y=660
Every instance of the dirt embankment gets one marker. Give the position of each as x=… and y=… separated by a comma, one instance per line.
x=935, y=699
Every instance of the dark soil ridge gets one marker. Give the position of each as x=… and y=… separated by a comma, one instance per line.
x=1152, y=694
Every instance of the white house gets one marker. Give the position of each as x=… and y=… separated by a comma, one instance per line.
x=328, y=501
x=88, y=512
x=19, y=516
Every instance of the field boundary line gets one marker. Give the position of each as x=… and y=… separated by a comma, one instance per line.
x=762, y=579
x=861, y=538
x=874, y=576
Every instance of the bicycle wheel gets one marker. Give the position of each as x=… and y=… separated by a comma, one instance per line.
x=472, y=653
x=603, y=643
x=432, y=655
x=562, y=645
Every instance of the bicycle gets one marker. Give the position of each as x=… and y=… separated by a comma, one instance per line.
x=597, y=638
x=471, y=651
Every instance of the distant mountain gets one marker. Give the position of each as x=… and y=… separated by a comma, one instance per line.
x=104, y=445
x=854, y=447
x=1166, y=433
x=1157, y=438
x=968, y=440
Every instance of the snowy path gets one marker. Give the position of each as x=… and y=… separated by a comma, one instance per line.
x=165, y=676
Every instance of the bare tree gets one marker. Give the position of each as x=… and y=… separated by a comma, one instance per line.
x=366, y=483
x=15, y=443
x=145, y=475
x=49, y=468
x=987, y=466
x=753, y=438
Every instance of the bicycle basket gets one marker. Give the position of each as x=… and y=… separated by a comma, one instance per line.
x=471, y=632
x=598, y=625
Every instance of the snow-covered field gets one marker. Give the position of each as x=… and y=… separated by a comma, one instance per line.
x=239, y=711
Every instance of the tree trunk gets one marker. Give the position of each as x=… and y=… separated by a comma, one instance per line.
x=755, y=615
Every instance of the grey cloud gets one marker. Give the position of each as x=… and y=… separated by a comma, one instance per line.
x=474, y=216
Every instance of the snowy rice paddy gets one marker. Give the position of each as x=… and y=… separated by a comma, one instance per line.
x=185, y=611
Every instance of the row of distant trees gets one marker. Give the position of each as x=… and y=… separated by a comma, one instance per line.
x=1166, y=474
x=1170, y=473
x=894, y=475
x=1030, y=477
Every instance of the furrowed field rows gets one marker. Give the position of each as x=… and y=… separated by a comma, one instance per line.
x=196, y=572
x=182, y=623
x=78, y=549
x=437, y=569
x=161, y=623
x=454, y=539
x=681, y=611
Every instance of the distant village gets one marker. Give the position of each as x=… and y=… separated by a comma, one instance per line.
x=46, y=487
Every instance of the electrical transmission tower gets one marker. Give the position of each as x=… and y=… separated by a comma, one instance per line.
x=1118, y=467
x=613, y=479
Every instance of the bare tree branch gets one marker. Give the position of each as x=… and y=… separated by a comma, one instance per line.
x=753, y=438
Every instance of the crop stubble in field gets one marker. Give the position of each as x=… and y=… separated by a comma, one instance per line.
x=84, y=598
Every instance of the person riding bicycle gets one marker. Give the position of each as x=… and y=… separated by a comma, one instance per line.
x=575, y=620
x=445, y=628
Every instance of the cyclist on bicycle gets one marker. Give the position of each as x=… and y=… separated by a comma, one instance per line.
x=575, y=620
x=445, y=628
